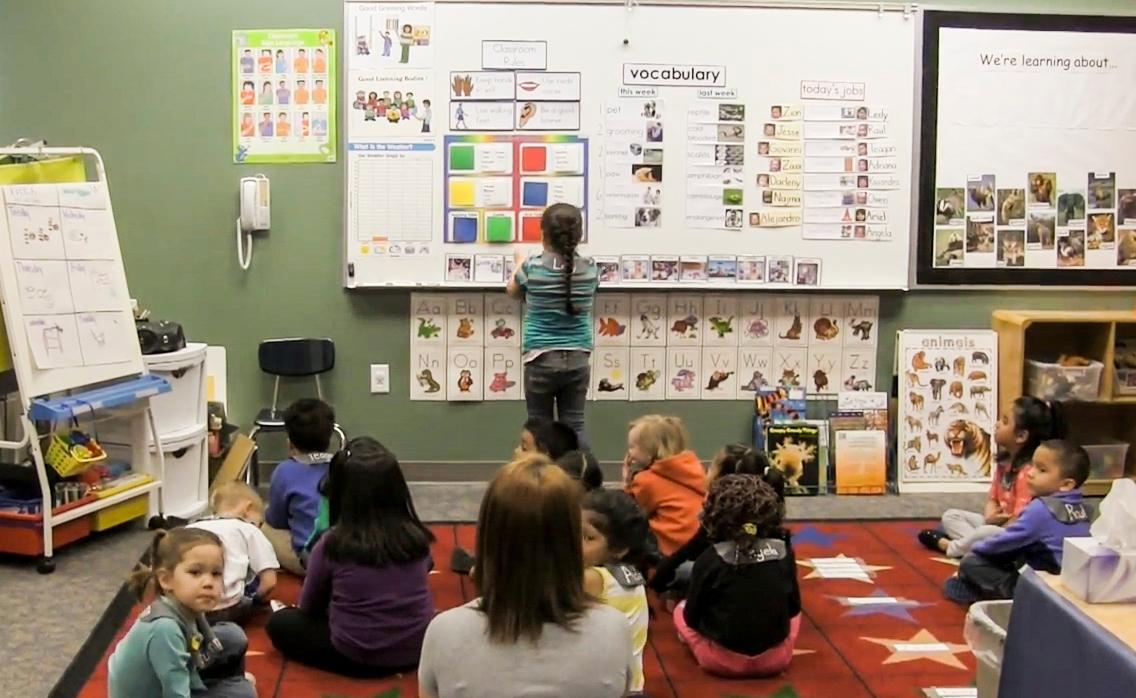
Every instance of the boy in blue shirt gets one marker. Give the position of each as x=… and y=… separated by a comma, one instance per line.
x=1036, y=537
x=293, y=496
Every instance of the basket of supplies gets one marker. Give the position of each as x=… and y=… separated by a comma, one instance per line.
x=985, y=632
x=1069, y=378
x=71, y=454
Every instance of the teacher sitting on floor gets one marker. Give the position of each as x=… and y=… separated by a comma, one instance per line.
x=533, y=631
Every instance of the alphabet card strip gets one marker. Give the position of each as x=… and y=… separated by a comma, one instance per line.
x=466, y=320
x=824, y=370
x=610, y=373
x=428, y=372
x=789, y=365
x=464, y=375
x=684, y=373
x=612, y=313
x=756, y=328
x=791, y=316
x=502, y=321
x=503, y=378
x=647, y=368
x=862, y=315
x=648, y=319
x=428, y=317
x=755, y=371
x=720, y=373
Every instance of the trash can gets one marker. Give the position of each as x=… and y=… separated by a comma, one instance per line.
x=985, y=632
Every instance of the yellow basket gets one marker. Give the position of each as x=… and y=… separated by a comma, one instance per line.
x=65, y=463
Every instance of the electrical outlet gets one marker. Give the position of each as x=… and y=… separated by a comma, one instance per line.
x=380, y=378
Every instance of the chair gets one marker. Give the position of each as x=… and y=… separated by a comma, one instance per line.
x=289, y=358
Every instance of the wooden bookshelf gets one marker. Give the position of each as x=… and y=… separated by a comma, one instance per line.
x=1042, y=335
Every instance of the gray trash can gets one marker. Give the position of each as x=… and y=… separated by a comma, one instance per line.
x=985, y=632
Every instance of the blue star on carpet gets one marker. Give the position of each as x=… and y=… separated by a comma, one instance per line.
x=888, y=605
x=814, y=536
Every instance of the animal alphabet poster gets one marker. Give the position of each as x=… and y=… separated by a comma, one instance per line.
x=947, y=408
x=613, y=320
x=610, y=373
x=465, y=375
x=647, y=373
x=428, y=364
x=502, y=378
x=737, y=343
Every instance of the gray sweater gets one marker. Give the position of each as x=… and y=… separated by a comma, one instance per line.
x=591, y=661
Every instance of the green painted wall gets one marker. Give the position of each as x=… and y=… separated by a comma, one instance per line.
x=147, y=83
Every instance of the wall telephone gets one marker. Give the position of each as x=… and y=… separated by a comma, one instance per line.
x=255, y=214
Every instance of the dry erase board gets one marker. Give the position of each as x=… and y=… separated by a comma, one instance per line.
x=705, y=146
x=65, y=300
x=1027, y=150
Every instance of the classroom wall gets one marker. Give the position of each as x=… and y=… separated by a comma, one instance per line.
x=147, y=83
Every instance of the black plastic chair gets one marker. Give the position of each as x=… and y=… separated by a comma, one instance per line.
x=289, y=358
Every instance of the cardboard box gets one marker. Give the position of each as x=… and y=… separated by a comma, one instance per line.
x=1098, y=574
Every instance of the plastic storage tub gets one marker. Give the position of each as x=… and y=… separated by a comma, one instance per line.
x=184, y=406
x=1107, y=460
x=985, y=632
x=1054, y=382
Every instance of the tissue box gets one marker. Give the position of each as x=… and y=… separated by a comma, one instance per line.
x=1098, y=574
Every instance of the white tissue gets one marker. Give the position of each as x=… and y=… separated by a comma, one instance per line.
x=1116, y=525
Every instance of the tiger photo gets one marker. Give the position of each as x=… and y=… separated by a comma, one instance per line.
x=968, y=441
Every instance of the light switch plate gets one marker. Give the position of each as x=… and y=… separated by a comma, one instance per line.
x=380, y=378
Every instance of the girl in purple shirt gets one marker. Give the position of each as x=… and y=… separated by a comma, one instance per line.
x=365, y=603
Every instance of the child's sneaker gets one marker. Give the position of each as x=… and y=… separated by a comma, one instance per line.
x=959, y=591
x=930, y=538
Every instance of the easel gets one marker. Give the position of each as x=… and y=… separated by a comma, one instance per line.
x=53, y=396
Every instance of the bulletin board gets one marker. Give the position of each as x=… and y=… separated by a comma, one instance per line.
x=1027, y=150
x=698, y=165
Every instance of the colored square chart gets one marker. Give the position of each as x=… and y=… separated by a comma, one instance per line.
x=530, y=227
x=463, y=193
x=462, y=157
x=499, y=226
x=534, y=159
x=534, y=194
x=464, y=227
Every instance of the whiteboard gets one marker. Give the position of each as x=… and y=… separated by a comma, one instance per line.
x=401, y=185
x=66, y=305
x=1027, y=150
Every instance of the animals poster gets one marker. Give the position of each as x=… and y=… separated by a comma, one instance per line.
x=502, y=321
x=647, y=368
x=720, y=373
x=683, y=373
x=284, y=95
x=466, y=322
x=503, y=376
x=947, y=409
x=612, y=317
x=648, y=317
x=428, y=363
x=464, y=374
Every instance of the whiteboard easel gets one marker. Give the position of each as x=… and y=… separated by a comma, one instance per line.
x=36, y=383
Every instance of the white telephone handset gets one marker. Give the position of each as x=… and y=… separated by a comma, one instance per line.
x=255, y=214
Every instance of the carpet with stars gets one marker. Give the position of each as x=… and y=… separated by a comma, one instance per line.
x=876, y=626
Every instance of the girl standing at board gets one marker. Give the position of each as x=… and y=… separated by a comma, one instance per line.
x=559, y=289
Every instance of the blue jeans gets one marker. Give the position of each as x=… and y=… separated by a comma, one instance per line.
x=559, y=379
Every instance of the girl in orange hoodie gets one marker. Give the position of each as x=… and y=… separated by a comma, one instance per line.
x=665, y=477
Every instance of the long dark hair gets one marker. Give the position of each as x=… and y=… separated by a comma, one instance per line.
x=372, y=517
x=562, y=228
x=1040, y=420
x=530, y=562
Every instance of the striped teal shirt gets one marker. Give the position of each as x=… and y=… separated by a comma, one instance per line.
x=547, y=322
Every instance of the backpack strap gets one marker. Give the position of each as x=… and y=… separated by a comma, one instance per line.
x=1065, y=512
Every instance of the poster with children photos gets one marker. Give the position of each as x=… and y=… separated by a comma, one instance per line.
x=647, y=371
x=284, y=96
x=610, y=373
x=466, y=321
x=612, y=320
x=503, y=373
x=947, y=409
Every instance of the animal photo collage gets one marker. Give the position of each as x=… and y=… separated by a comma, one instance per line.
x=948, y=405
x=653, y=346
x=1042, y=222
